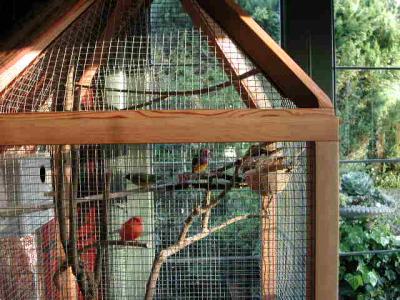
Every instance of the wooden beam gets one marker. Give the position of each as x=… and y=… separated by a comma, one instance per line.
x=174, y=126
x=28, y=54
x=310, y=220
x=326, y=220
x=292, y=81
x=233, y=59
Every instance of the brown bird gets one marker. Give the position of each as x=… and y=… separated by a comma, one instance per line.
x=200, y=162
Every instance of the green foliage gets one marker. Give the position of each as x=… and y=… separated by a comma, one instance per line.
x=367, y=34
x=265, y=13
x=357, y=188
x=367, y=30
x=371, y=276
x=356, y=183
x=386, y=176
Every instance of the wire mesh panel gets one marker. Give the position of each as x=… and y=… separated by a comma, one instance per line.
x=141, y=57
x=159, y=221
x=153, y=221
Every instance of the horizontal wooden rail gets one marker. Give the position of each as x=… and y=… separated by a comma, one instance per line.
x=173, y=126
x=280, y=68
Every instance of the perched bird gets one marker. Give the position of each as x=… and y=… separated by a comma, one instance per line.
x=141, y=179
x=268, y=175
x=132, y=229
x=200, y=162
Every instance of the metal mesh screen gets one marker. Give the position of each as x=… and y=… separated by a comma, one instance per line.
x=163, y=221
x=141, y=57
x=184, y=221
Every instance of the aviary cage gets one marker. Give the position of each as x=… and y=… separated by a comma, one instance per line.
x=165, y=149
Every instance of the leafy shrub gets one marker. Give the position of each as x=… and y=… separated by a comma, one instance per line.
x=388, y=179
x=371, y=276
x=356, y=184
x=357, y=188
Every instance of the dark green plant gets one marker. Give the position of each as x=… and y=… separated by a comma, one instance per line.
x=356, y=184
x=265, y=13
x=367, y=34
x=370, y=276
x=357, y=188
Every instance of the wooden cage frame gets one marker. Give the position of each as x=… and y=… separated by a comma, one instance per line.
x=314, y=122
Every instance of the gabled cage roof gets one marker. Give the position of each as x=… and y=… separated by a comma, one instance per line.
x=161, y=54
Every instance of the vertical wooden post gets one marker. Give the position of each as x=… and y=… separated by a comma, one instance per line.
x=310, y=223
x=327, y=220
x=269, y=246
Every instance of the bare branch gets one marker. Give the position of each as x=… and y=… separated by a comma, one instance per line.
x=181, y=244
x=209, y=89
x=63, y=198
x=160, y=187
x=207, y=214
x=188, y=223
x=183, y=241
x=103, y=229
x=134, y=244
x=73, y=191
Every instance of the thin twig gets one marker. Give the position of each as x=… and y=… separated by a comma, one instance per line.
x=188, y=223
x=98, y=266
x=207, y=214
x=175, y=248
x=133, y=244
x=199, y=236
x=58, y=199
x=181, y=93
x=183, y=241
x=68, y=239
x=73, y=191
x=165, y=95
x=161, y=187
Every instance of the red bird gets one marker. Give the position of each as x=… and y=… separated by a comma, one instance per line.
x=132, y=229
x=200, y=162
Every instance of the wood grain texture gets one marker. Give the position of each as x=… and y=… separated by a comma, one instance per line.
x=327, y=220
x=269, y=248
x=28, y=54
x=234, y=61
x=310, y=220
x=180, y=126
x=292, y=81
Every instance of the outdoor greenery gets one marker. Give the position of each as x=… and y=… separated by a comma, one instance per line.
x=357, y=188
x=367, y=34
x=369, y=276
x=266, y=13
